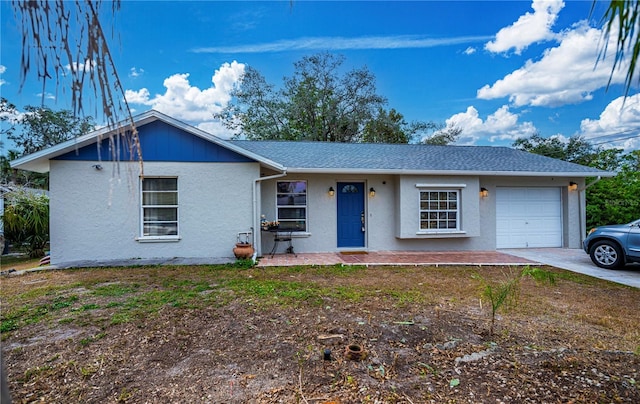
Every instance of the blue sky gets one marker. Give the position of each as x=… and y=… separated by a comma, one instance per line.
x=498, y=70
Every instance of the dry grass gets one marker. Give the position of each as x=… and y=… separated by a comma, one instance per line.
x=18, y=263
x=210, y=317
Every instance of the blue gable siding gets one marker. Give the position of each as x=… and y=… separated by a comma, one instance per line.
x=162, y=142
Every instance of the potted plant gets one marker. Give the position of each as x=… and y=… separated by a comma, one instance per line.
x=243, y=248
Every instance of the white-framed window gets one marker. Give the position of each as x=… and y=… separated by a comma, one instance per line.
x=291, y=205
x=159, y=205
x=439, y=210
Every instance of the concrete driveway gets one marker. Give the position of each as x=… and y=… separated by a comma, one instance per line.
x=577, y=260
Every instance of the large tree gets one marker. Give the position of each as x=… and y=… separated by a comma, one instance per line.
x=609, y=200
x=42, y=127
x=317, y=103
x=257, y=111
x=442, y=135
x=391, y=127
x=325, y=106
x=33, y=130
x=575, y=150
x=386, y=127
x=615, y=200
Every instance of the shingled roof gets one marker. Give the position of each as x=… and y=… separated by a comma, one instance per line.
x=412, y=158
x=375, y=158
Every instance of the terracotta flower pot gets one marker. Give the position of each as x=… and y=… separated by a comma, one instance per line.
x=243, y=250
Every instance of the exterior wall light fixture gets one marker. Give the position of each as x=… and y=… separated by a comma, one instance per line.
x=332, y=192
x=573, y=186
x=372, y=192
x=484, y=192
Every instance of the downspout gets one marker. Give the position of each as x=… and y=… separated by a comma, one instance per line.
x=256, y=214
x=583, y=214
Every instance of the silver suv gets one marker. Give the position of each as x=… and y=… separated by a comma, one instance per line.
x=612, y=246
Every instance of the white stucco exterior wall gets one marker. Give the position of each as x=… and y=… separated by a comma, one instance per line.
x=95, y=215
x=393, y=218
x=395, y=202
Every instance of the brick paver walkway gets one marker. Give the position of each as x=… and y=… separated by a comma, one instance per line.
x=396, y=258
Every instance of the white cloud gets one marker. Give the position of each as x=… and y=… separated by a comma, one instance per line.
x=86, y=67
x=137, y=97
x=192, y=104
x=566, y=74
x=216, y=129
x=46, y=96
x=2, y=70
x=530, y=28
x=135, y=72
x=13, y=117
x=342, y=43
x=499, y=126
x=618, y=125
x=470, y=50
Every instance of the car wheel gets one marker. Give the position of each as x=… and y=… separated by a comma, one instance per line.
x=607, y=254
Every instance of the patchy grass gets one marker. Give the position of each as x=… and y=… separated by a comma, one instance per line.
x=88, y=332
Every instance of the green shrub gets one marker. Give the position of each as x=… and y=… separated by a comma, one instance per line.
x=26, y=221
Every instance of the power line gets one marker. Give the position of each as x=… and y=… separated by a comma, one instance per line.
x=614, y=137
x=615, y=140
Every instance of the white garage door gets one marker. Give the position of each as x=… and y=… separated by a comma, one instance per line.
x=528, y=217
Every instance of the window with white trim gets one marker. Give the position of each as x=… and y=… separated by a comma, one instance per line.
x=291, y=205
x=159, y=207
x=439, y=210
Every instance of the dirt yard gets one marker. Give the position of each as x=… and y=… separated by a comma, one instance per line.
x=318, y=335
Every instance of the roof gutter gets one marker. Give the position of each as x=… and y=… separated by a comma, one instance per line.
x=304, y=170
x=257, y=240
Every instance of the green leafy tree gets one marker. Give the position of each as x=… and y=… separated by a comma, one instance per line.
x=35, y=129
x=258, y=112
x=391, y=127
x=575, y=150
x=386, y=127
x=14, y=176
x=608, y=159
x=443, y=136
x=615, y=200
x=9, y=115
x=26, y=221
x=43, y=127
x=317, y=103
x=326, y=106
x=610, y=200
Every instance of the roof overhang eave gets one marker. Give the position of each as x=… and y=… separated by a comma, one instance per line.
x=39, y=161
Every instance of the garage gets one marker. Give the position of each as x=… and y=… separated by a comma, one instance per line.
x=528, y=217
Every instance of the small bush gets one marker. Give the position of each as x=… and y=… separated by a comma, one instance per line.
x=26, y=221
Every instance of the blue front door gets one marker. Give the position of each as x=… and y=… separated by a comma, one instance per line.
x=351, y=214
